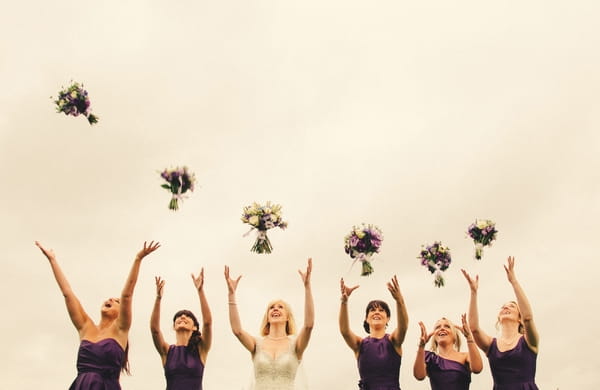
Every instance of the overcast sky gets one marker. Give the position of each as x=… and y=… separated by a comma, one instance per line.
x=418, y=118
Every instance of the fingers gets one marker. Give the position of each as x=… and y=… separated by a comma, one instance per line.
x=226, y=272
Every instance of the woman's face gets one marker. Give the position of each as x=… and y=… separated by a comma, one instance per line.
x=509, y=311
x=277, y=313
x=111, y=307
x=377, y=316
x=443, y=332
x=183, y=322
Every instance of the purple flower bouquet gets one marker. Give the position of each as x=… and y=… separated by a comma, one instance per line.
x=437, y=259
x=179, y=180
x=483, y=232
x=263, y=218
x=362, y=243
x=74, y=101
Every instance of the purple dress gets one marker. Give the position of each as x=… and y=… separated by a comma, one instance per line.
x=378, y=364
x=445, y=374
x=513, y=369
x=98, y=365
x=183, y=369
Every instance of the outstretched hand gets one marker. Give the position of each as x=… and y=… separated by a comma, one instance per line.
x=231, y=283
x=160, y=283
x=199, y=280
x=306, y=275
x=394, y=288
x=49, y=253
x=345, y=290
x=424, y=335
x=510, y=269
x=473, y=283
x=464, y=329
x=147, y=249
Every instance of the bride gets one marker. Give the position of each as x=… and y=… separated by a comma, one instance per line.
x=277, y=353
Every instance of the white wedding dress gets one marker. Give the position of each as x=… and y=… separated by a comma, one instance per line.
x=275, y=373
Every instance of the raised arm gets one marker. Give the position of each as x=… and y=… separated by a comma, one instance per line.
x=350, y=337
x=309, y=312
x=531, y=334
x=206, y=316
x=482, y=339
x=78, y=316
x=473, y=355
x=399, y=333
x=419, y=368
x=157, y=337
x=234, y=317
x=124, y=320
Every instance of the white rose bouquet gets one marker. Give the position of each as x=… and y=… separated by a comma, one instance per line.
x=263, y=218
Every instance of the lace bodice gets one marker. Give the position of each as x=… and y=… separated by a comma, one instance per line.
x=276, y=373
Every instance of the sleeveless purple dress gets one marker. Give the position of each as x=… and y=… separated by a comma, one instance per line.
x=183, y=369
x=445, y=374
x=513, y=369
x=98, y=365
x=378, y=364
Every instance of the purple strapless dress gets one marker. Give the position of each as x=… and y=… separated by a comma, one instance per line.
x=513, y=369
x=445, y=374
x=183, y=370
x=378, y=364
x=98, y=365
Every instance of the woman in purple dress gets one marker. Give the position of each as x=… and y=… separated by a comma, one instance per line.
x=103, y=346
x=513, y=354
x=447, y=367
x=184, y=361
x=378, y=355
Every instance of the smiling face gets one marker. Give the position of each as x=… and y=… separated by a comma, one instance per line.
x=110, y=307
x=185, y=320
x=278, y=312
x=377, y=315
x=445, y=333
x=510, y=312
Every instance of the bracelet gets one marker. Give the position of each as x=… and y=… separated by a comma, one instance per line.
x=159, y=297
x=421, y=345
x=232, y=303
x=470, y=341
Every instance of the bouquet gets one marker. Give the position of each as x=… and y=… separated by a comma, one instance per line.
x=362, y=243
x=483, y=232
x=179, y=180
x=437, y=259
x=74, y=101
x=263, y=218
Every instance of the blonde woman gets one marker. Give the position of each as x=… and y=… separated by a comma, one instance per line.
x=277, y=352
x=447, y=367
x=513, y=354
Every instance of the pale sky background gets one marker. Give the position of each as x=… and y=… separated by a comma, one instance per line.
x=417, y=117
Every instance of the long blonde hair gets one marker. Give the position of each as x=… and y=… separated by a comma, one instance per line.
x=290, y=325
x=455, y=333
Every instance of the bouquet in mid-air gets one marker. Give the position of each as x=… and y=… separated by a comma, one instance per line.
x=483, y=232
x=362, y=243
x=263, y=218
x=436, y=258
x=74, y=101
x=179, y=181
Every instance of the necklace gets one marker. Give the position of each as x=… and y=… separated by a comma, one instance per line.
x=276, y=338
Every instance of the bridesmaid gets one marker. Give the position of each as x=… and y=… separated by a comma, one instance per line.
x=103, y=346
x=184, y=361
x=379, y=355
x=447, y=367
x=513, y=355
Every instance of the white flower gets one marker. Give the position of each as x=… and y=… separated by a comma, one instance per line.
x=253, y=220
